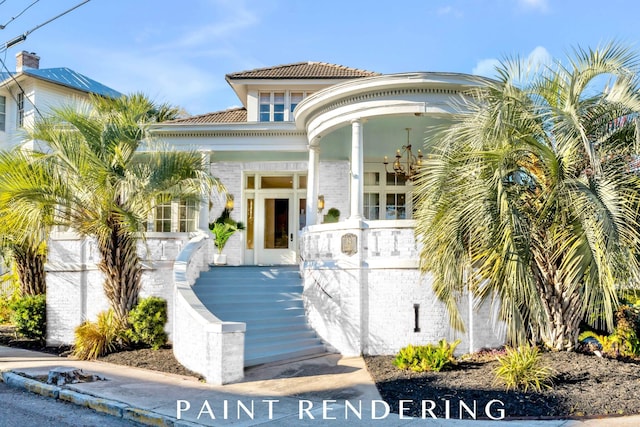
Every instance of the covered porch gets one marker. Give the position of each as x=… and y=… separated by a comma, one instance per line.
x=364, y=292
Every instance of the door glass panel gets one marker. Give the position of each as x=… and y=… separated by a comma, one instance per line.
x=394, y=179
x=250, y=223
x=276, y=182
x=276, y=223
x=371, y=178
x=302, y=181
x=396, y=206
x=372, y=206
x=302, y=214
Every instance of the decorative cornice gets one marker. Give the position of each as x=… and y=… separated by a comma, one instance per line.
x=222, y=133
x=384, y=93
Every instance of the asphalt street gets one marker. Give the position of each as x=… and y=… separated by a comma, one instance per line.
x=25, y=409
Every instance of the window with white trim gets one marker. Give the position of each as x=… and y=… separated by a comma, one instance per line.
x=187, y=214
x=3, y=112
x=386, y=195
x=278, y=106
x=175, y=216
x=20, y=109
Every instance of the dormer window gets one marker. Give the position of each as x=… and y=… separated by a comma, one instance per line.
x=279, y=106
x=272, y=107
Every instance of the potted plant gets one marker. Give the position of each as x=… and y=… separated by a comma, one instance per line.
x=222, y=229
x=333, y=215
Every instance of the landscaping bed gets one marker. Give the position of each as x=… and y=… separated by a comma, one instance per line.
x=161, y=360
x=584, y=384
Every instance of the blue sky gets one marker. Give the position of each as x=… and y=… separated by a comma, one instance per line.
x=179, y=52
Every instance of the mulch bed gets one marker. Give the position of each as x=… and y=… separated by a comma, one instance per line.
x=584, y=385
x=161, y=360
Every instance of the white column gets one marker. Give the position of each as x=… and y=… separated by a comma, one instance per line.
x=313, y=185
x=203, y=215
x=357, y=167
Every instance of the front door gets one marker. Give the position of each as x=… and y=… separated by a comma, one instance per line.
x=276, y=236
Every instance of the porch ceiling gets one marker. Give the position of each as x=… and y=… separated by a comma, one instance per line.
x=382, y=137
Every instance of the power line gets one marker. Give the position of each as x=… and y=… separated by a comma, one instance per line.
x=22, y=37
x=2, y=27
x=4, y=65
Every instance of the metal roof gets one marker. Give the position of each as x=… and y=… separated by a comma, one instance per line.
x=67, y=77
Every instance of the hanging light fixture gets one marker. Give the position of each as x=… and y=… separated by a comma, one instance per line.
x=409, y=166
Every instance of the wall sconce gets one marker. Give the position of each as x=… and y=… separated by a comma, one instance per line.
x=230, y=202
x=320, y=203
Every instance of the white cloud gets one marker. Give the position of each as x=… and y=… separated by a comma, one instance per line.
x=539, y=58
x=448, y=10
x=164, y=77
x=535, y=61
x=486, y=67
x=232, y=19
x=539, y=5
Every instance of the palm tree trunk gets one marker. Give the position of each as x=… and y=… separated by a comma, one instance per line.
x=30, y=267
x=562, y=310
x=122, y=270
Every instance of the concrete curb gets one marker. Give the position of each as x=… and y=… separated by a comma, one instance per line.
x=106, y=406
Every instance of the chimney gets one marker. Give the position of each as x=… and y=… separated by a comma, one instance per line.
x=27, y=60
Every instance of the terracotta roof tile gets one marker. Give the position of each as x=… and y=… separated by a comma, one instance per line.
x=303, y=70
x=232, y=115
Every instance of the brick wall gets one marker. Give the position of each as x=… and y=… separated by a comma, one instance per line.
x=202, y=342
x=364, y=303
x=74, y=283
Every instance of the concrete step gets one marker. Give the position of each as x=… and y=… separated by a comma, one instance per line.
x=243, y=306
x=289, y=314
x=259, y=359
x=244, y=293
x=255, y=329
x=283, y=345
x=257, y=336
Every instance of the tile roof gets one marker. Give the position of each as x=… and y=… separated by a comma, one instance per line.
x=232, y=115
x=67, y=77
x=303, y=70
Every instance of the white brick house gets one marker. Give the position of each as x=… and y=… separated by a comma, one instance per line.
x=313, y=136
x=309, y=137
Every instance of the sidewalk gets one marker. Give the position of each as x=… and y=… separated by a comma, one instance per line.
x=277, y=395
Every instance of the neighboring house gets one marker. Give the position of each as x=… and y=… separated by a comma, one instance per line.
x=312, y=136
x=32, y=91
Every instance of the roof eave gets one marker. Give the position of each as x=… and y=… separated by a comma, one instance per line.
x=168, y=128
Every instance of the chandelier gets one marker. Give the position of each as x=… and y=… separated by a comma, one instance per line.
x=407, y=166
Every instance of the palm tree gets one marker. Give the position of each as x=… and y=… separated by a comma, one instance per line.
x=26, y=215
x=528, y=198
x=113, y=183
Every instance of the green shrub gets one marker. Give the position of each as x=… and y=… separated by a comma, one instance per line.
x=8, y=297
x=610, y=344
x=625, y=340
x=30, y=316
x=522, y=368
x=95, y=339
x=147, y=320
x=429, y=357
x=627, y=319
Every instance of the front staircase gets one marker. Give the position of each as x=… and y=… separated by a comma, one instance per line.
x=269, y=301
